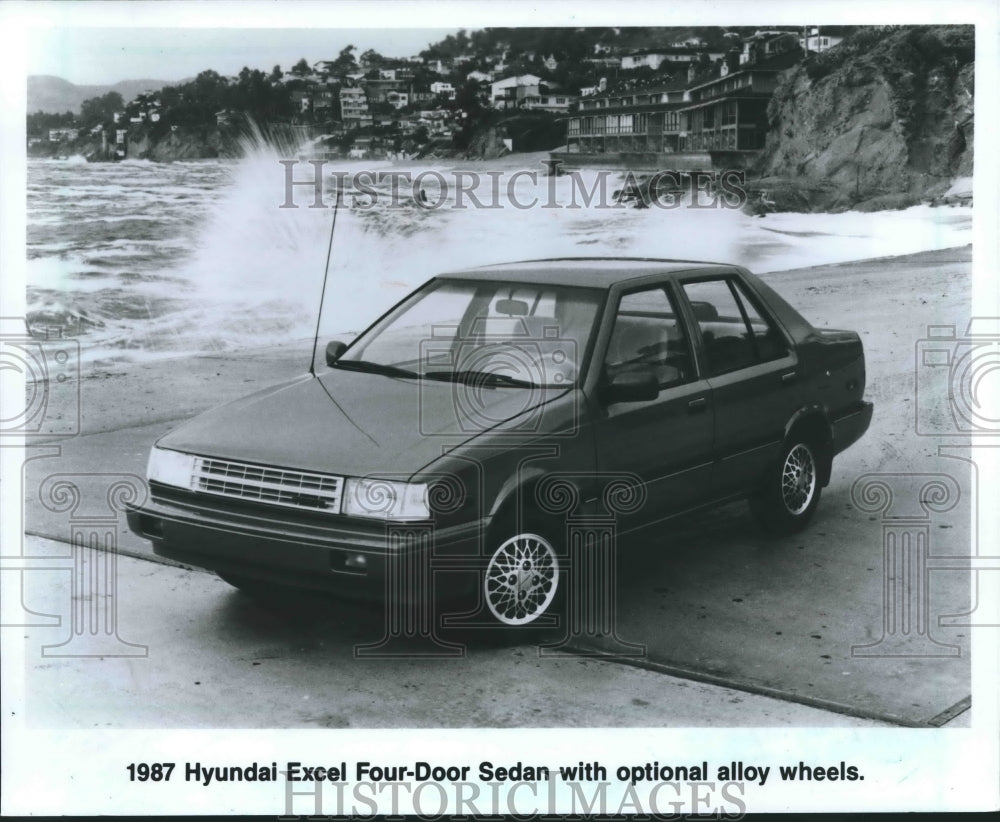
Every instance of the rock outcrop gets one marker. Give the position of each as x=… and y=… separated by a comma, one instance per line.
x=884, y=120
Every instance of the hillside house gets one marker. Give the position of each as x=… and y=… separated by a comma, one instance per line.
x=655, y=58
x=818, y=41
x=556, y=103
x=447, y=89
x=605, y=62
x=511, y=91
x=57, y=135
x=766, y=45
x=397, y=99
x=379, y=89
x=353, y=105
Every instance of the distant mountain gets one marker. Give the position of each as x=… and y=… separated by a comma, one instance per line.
x=53, y=94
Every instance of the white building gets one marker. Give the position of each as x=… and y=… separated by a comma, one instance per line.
x=555, y=103
x=814, y=40
x=508, y=93
x=398, y=99
x=446, y=89
x=353, y=103
x=654, y=59
x=58, y=134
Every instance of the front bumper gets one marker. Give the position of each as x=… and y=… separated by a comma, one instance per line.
x=305, y=550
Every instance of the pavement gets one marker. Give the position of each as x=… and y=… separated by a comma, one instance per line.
x=722, y=613
x=195, y=653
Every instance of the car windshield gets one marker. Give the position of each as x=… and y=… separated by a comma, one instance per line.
x=495, y=334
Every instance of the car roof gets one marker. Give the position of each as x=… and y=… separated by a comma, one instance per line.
x=591, y=272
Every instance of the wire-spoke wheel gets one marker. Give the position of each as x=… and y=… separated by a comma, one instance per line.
x=798, y=479
x=790, y=490
x=521, y=579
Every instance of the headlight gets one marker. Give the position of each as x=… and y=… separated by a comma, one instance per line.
x=170, y=467
x=385, y=499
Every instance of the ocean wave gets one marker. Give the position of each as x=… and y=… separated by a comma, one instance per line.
x=146, y=260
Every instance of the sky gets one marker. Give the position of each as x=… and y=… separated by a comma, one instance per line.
x=99, y=56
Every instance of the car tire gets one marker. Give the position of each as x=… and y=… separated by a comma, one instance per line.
x=791, y=489
x=522, y=584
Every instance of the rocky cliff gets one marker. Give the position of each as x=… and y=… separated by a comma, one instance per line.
x=162, y=145
x=184, y=144
x=884, y=120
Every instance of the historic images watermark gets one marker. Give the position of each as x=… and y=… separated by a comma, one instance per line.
x=548, y=560
x=524, y=531
x=519, y=189
x=46, y=368
x=544, y=791
x=955, y=380
x=93, y=505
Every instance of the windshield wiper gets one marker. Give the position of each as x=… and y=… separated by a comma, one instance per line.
x=376, y=368
x=487, y=378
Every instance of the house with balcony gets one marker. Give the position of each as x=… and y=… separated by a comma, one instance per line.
x=511, y=91
x=629, y=120
x=556, y=103
x=378, y=89
x=728, y=113
x=325, y=100
x=353, y=105
x=712, y=109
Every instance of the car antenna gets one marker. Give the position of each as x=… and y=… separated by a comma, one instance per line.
x=326, y=275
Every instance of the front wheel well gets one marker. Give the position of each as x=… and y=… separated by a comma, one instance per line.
x=521, y=498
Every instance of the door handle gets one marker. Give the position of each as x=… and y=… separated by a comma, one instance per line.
x=789, y=378
x=697, y=405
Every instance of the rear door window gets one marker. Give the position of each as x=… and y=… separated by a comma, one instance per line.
x=734, y=333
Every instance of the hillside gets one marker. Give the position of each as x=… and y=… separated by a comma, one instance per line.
x=882, y=121
x=55, y=95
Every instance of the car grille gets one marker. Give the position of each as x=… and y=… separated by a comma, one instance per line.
x=274, y=486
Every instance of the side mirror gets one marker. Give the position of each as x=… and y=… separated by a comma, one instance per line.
x=631, y=386
x=333, y=351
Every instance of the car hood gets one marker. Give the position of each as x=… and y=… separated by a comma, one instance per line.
x=358, y=424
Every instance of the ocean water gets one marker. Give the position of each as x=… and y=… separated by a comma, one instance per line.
x=139, y=260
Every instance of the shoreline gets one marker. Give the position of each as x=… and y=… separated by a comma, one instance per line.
x=116, y=394
x=299, y=347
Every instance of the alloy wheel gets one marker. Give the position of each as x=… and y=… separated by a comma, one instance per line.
x=521, y=579
x=798, y=479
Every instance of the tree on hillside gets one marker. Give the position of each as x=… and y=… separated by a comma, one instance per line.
x=372, y=58
x=301, y=68
x=98, y=110
x=39, y=123
x=345, y=62
x=276, y=74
